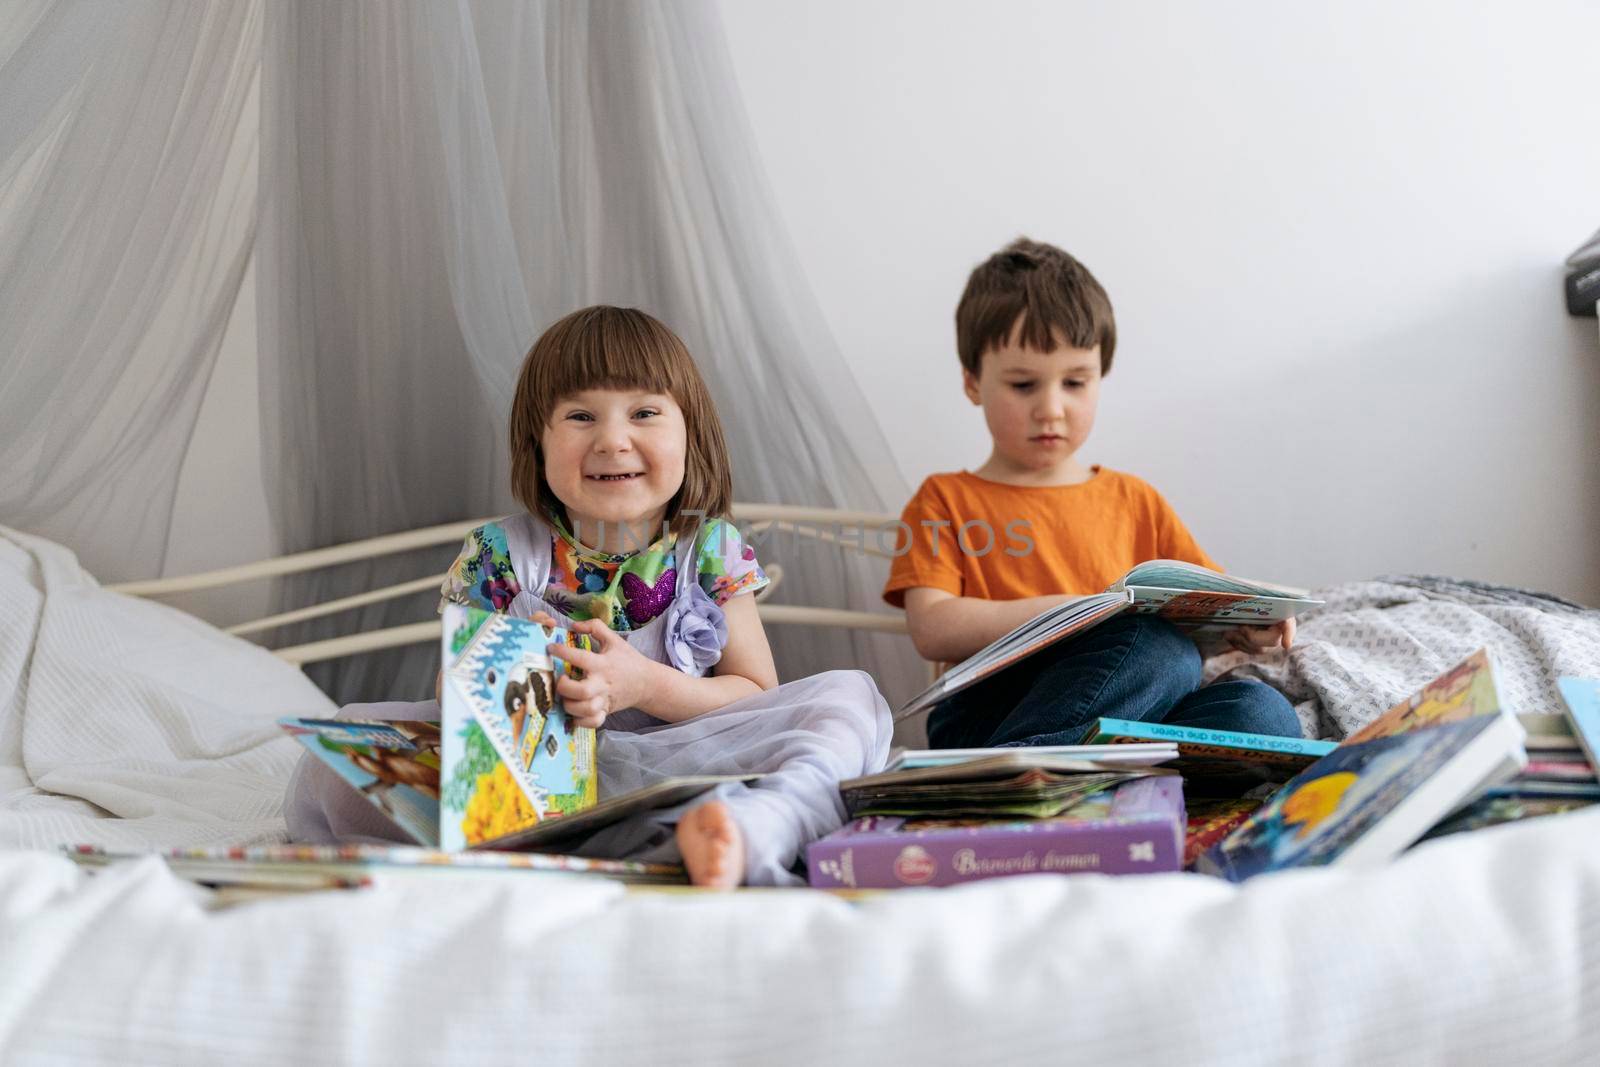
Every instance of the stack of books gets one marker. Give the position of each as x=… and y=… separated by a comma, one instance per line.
x=1227, y=774
x=1449, y=758
x=944, y=817
x=1387, y=785
x=1560, y=773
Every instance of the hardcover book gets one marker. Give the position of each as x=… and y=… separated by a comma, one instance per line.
x=1186, y=594
x=1135, y=828
x=1465, y=690
x=1140, y=755
x=1218, y=762
x=1582, y=699
x=1370, y=799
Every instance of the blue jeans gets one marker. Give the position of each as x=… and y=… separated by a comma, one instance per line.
x=1134, y=667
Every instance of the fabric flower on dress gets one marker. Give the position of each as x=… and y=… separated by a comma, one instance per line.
x=697, y=630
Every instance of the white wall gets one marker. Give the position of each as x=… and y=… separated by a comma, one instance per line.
x=1332, y=233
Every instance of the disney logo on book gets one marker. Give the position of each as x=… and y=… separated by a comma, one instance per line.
x=914, y=866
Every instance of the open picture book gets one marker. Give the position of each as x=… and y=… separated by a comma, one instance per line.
x=505, y=767
x=1191, y=596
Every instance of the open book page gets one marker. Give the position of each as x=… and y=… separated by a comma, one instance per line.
x=394, y=764
x=1039, y=632
x=1184, y=592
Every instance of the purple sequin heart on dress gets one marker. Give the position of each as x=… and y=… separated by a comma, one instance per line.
x=645, y=602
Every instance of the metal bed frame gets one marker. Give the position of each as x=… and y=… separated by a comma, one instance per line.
x=815, y=523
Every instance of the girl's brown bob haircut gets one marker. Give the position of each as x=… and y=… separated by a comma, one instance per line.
x=605, y=347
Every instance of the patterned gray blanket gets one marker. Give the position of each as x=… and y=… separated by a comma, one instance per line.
x=1374, y=643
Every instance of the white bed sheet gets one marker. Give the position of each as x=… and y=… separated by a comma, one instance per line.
x=126, y=724
x=1477, y=949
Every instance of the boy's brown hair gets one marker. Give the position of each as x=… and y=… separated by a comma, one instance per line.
x=606, y=347
x=1055, y=296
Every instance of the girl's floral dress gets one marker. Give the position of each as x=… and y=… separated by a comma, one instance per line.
x=625, y=591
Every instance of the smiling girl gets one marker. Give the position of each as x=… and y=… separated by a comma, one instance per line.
x=618, y=455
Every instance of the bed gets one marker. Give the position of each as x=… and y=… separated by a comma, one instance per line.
x=130, y=724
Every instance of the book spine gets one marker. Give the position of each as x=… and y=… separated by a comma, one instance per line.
x=859, y=859
x=1114, y=730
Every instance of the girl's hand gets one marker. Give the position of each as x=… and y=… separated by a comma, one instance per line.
x=1257, y=639
x=615, y=675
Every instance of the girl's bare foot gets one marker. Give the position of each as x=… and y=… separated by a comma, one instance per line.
x=712, y=846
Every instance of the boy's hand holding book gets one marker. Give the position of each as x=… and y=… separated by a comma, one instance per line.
x=1257, y=639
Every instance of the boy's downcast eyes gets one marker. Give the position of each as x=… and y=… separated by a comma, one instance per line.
x=1070, y=383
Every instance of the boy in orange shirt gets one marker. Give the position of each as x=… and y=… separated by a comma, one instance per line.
x=1034, y=526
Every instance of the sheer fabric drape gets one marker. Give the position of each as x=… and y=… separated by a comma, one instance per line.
x=430, y=183
x=127, y=219
x=441, y=181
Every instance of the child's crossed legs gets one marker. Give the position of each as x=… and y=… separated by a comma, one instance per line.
x=1134, y=667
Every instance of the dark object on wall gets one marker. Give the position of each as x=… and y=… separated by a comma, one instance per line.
x=1583, y=278
x=1583, y=289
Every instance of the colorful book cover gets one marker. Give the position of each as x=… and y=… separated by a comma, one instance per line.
x=1219, y=762
x=511, y=755
x=1369, y=801
x=395, y=764
x=1193, y=605
x=1582, y=698
x=1186, y=593
x=1463, y=691
x=1136, y=828
x=1212, y=820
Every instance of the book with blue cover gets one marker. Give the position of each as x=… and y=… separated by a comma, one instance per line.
x=1218, y=763
x=1378, y=793
x=1582, y=698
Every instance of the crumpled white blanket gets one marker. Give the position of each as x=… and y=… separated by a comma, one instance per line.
x=126, y=723
x=1374, y=643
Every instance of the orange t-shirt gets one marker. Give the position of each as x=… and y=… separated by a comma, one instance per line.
x=1039, y=540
